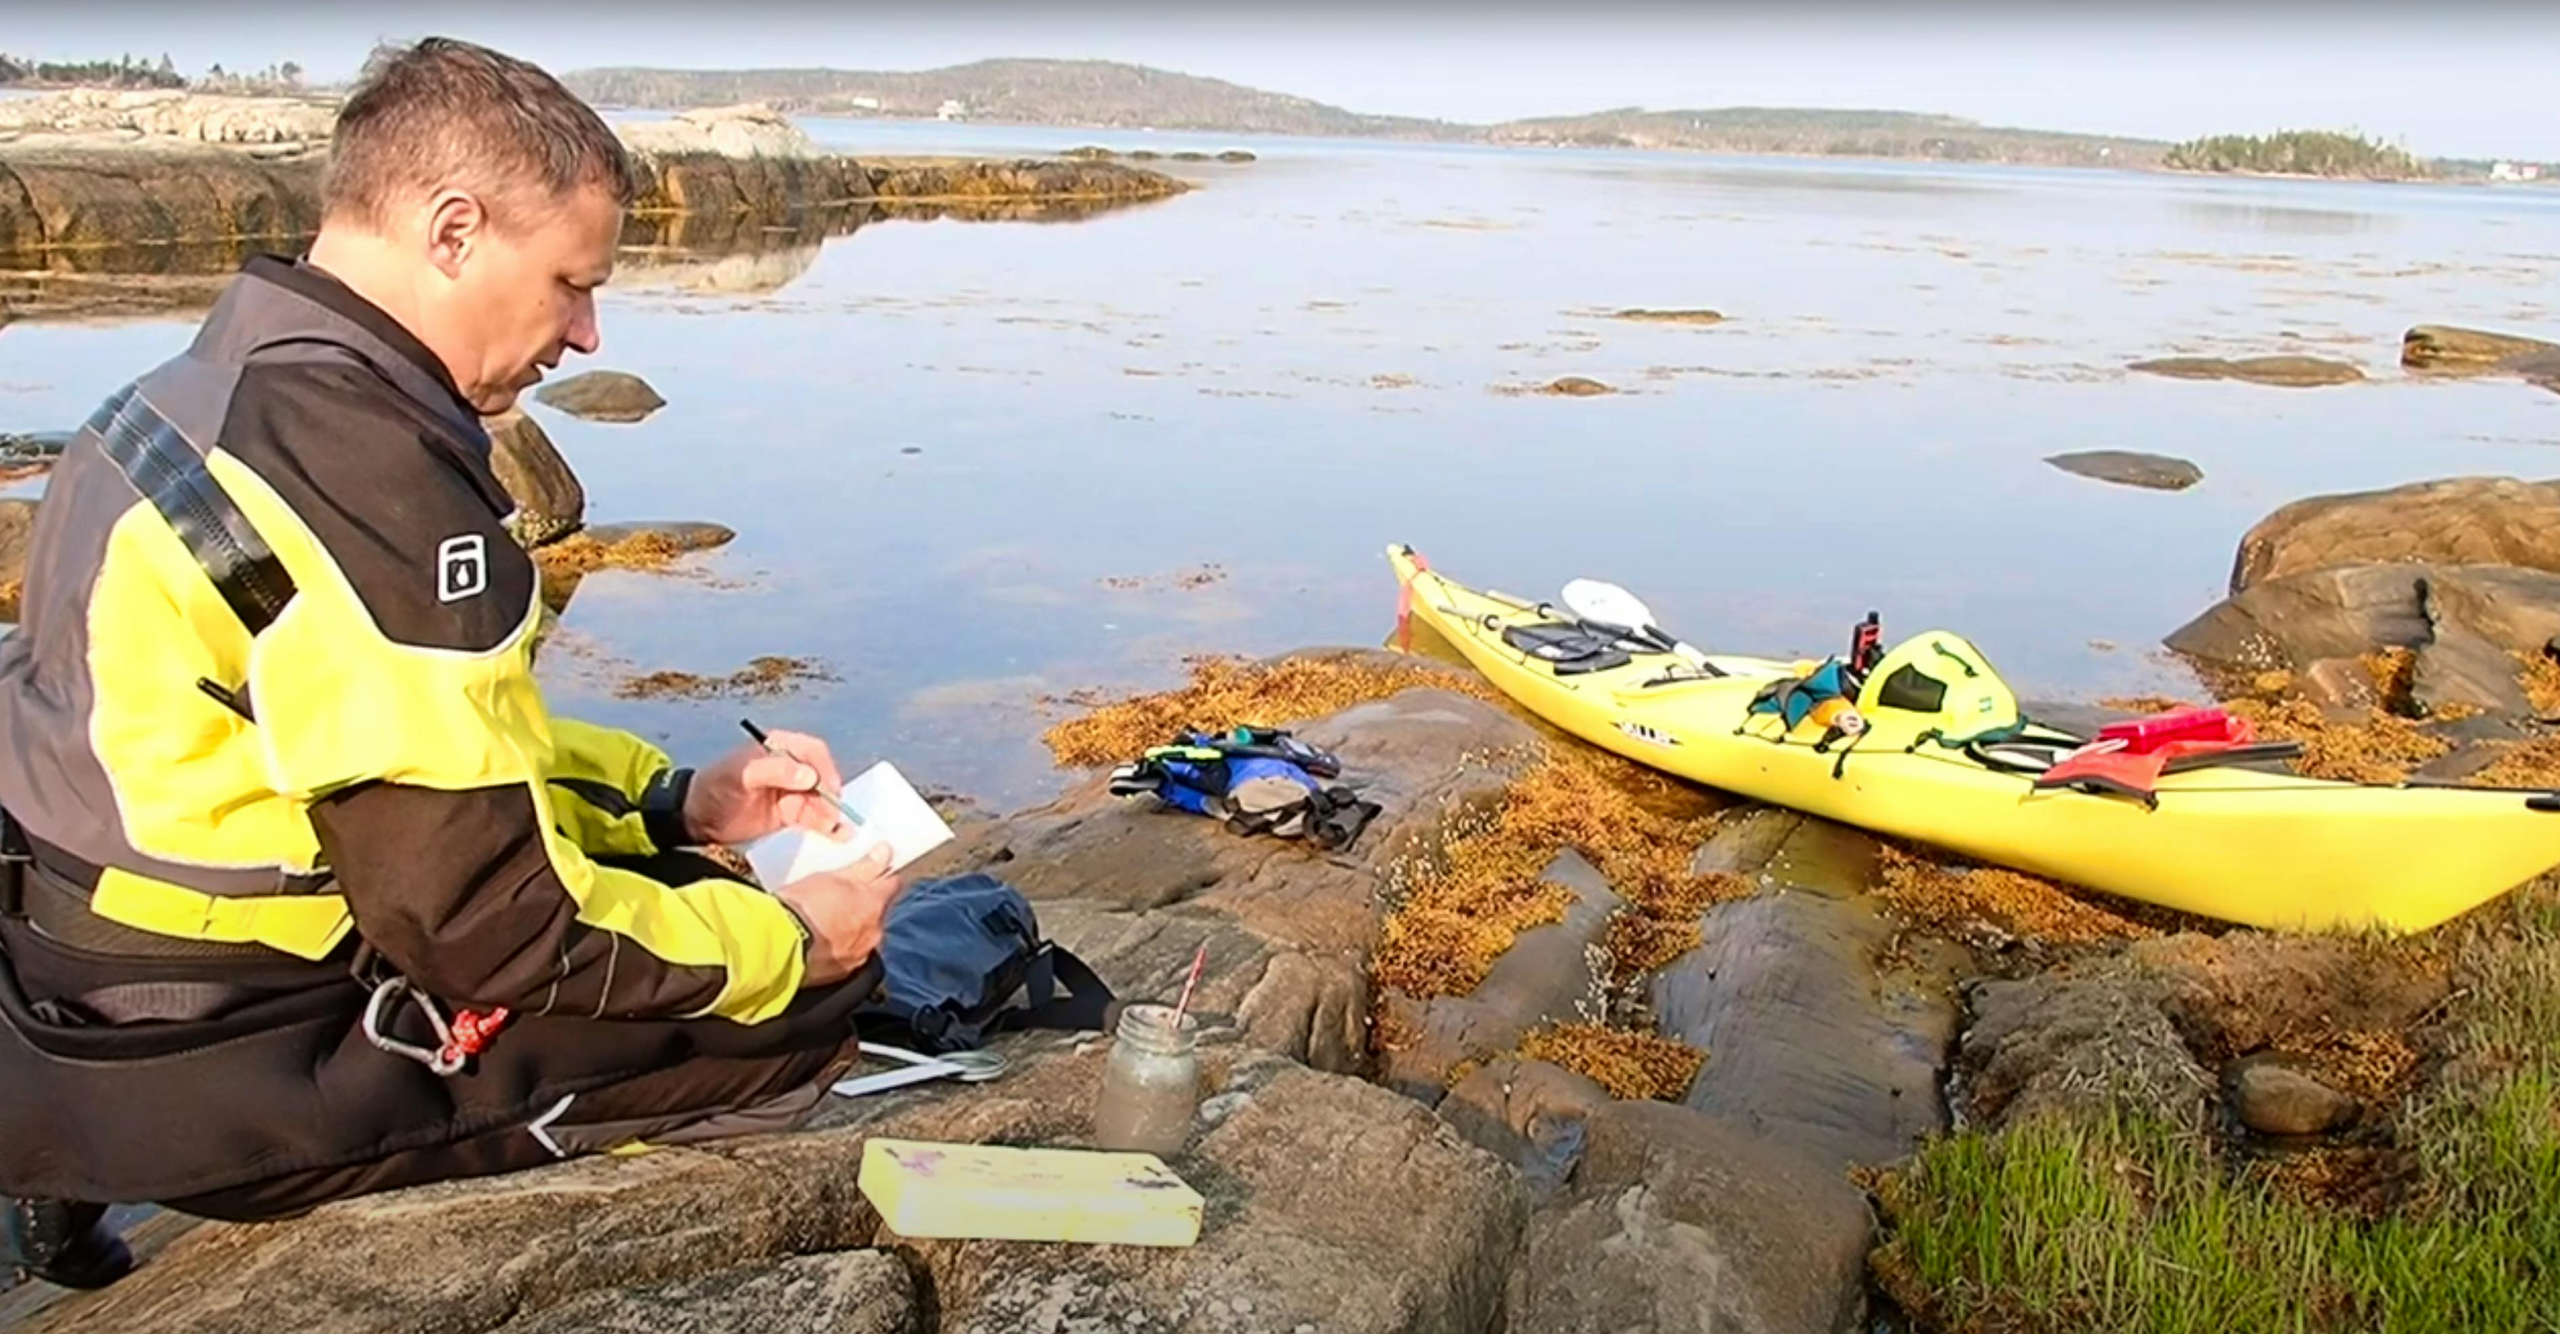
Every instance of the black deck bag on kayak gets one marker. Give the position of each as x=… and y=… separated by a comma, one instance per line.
x=965, y=961
x=1568, y=650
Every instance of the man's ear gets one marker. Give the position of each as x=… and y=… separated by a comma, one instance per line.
x=456, y=223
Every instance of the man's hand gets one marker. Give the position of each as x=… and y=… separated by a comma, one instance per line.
x=845, y=911
x=752, y=792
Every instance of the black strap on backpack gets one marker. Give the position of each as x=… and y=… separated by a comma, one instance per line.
x=1065, y=993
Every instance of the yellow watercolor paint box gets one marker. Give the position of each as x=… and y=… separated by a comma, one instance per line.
x=928, y=1189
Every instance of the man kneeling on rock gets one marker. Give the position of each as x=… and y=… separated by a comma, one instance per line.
x=304, y=893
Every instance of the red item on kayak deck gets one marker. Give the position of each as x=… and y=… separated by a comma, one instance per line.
x=2128, y=757
x=2215, y=728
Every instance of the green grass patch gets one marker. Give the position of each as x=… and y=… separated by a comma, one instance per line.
x=2119, y=1222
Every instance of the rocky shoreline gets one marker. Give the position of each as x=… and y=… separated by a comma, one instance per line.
x=210, y=172
x=1376, y=1161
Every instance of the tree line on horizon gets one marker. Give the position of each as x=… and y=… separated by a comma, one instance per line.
x=126, y=72
x=2299, y=153
x=122, y=72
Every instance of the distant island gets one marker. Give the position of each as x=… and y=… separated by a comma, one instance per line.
x=2300, y=153
x=1101, y=94
x=1098, y=94
x=1828, y=133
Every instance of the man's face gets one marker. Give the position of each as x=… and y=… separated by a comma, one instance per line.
x=514, y=290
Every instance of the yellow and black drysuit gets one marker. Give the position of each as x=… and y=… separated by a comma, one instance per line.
x=269, y=737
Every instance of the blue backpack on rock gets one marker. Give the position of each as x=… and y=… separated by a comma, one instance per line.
x=1256, y=781
x=964, y=960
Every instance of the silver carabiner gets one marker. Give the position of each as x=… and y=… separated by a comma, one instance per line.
x=436, y=1060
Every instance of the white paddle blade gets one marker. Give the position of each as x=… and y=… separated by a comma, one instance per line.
x=1607, y=604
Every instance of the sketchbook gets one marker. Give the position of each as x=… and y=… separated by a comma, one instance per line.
x=891, y=811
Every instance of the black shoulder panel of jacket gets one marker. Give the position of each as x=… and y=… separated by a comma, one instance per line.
x=410, y=513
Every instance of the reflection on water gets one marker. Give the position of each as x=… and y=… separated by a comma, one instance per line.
x=1005, y=210
x=2283, y=220
x=1696, y=171
x=723, y=253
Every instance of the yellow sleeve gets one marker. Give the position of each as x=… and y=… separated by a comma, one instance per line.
x=599, y=777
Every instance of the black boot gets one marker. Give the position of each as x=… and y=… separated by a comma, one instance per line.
x=64, y=1244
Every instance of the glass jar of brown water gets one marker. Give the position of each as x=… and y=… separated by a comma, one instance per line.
x=1151, y=1085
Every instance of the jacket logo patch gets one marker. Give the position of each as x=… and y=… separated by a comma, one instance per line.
x=462, y=567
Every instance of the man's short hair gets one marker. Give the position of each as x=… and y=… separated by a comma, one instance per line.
x=445, y=113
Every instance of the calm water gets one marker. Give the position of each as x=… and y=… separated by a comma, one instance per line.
x=1298, y=363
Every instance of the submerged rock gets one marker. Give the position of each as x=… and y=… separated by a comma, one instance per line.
x=2294, y=372
x=2449, y=521
x=630, y=545
x=675, y=535
x=605, y=396
x=2446, y=347
x=550, y=503
x=1700, y=316
x=2158, y=472
x=1809, y=1042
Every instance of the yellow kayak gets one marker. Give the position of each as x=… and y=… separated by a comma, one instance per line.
x=1946, y=759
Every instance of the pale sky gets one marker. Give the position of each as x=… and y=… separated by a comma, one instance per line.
x=2452, y=77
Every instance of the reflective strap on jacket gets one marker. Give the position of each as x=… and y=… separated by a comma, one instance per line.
x=307, y=926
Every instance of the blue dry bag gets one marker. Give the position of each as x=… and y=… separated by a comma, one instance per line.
x=964, y=959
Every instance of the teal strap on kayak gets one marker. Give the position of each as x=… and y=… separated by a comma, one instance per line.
x=1988, y=735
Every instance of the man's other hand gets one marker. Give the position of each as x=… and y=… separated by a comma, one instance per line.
x=846, y=911
x=752, y=792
